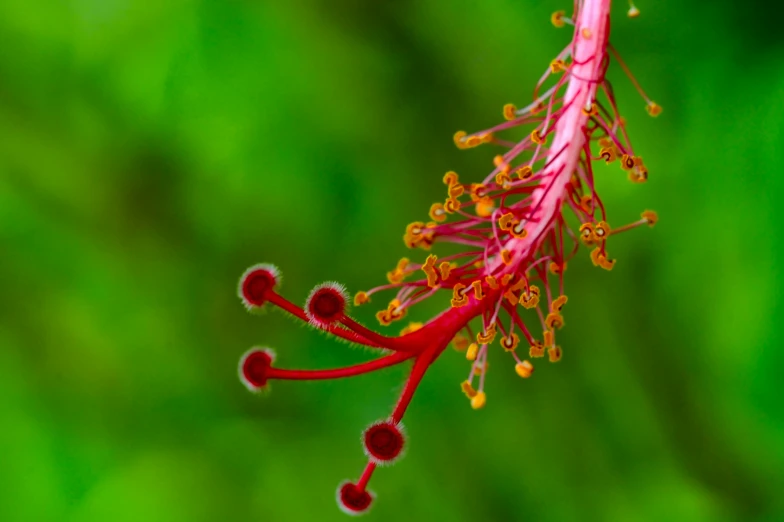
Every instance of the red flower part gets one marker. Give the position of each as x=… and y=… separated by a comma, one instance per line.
x=515, y=237
x=326, y=304
x=256, y=283
x=352, y=499
x=255, y=365
x=384, y=442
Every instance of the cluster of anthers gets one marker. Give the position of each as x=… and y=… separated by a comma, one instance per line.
x=517, y=237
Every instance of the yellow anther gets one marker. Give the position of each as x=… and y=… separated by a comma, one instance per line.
x=557, y=18
x=429, y=268
x=479, y=264
x=412, y=327
x=500, y=163
x=601, y=230
x=608, y=154
x=471, y=352
x=595, y=253
x=536, y=349
x=455, y=190
x=591, y=111
x=361, y=298
x=399, y=273
x=558, y=303
x=587, y=233
x=627, y=162
x=478, y=191
x=459, y=138
x=437, y=212
x=586, y=203
x=460, y=342
x=478, y=400
x=392, y=313
x=510, y=292
x=419, y=235
x=395, y=312
x=524, y=172
x=506, y=257
x=468, y=389
x=451, y=205
x=574, y=181
x=487, y=137
x=451, y=178
x=557, y=66
x=384, y=317
x=481, y=368
x=415, y=229
x=458, y=298
x=506, y=278
x=598, y=258
x=485, y=207
x=473, y=141
x=638, y=174
x=651, y=217
x=554, y=352
x=557, y=268
x=507, y=221
x=502, y=179
x=653, y=108
x=477, y=286
x=487, y=336
x=530, y=299
x=444, y=269
x=524, y=369
x=536, y=137
x=509, y=343
x=607, y=264
x=521, y=283
x=587, y=33
x=549, y=338
x=633, y=12
x=491, y=282
x=518, y=231
x=638, y=161
x=510, y=112
x=554, y=321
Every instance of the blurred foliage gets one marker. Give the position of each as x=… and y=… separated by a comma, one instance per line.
x=151, y=151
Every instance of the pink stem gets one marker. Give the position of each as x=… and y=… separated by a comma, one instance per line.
x=586, y=72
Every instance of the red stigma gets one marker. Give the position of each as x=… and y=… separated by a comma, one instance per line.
x=353, y=500
x=326, y=304
x=256, y=284
x=384, y=442
x=255, y=367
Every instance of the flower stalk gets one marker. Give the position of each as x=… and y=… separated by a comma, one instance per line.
x=518, y=228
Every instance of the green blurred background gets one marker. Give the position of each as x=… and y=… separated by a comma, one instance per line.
x=151, y=151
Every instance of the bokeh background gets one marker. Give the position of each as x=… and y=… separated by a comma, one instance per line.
x=151, y=151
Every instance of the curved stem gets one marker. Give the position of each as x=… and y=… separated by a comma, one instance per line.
x=422, y=363
x=286, y=305
x=386, y=342
x=337, y=373
x=366, y=474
